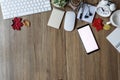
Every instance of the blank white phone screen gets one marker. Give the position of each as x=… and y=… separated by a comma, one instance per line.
x=88, y=39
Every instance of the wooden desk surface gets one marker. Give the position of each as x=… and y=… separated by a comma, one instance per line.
x=44, y=53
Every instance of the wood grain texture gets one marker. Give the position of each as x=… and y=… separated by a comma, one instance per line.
x=44, y=53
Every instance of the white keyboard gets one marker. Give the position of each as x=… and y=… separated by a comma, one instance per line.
x=16, y=8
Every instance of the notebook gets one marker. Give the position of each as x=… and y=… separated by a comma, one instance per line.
x=114, y=38
x=56, y=18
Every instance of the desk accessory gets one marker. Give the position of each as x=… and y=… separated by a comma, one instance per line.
x=106, y=27
x=26, y=23
x=114, y=38
x=17, y=23
x=59, y=3
x=115, y=19
x=98, y=24
x=74, y=3
x=69, y=22
x=56, y=18
x=105, y=8
x=86, y=12
x=88, y=39
x=89, y=13
x=16, y=8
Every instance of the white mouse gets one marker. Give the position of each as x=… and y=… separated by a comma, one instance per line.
x=69, y=22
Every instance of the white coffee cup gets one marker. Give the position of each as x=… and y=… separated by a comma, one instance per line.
x=115, y=19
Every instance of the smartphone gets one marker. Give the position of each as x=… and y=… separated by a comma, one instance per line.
x=88, y=39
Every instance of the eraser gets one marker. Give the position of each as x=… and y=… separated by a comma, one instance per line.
x=56, y=18
x=88, y=39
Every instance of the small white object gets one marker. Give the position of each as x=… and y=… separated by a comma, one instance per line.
x=103, y=2
x=88, y=39
x=105, y=8
x=114, y=38
x=56, y=18
x=112, y=7
x=69, y=20
x=103, y=11
x=16, y=8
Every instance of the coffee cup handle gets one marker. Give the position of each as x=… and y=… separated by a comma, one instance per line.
x=108, y=22
x=111, y=23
